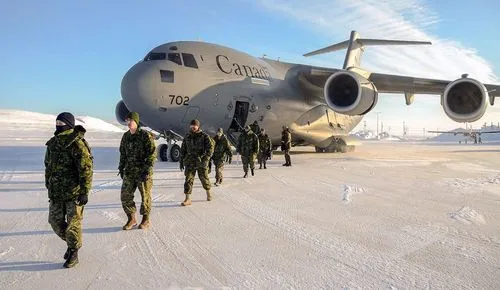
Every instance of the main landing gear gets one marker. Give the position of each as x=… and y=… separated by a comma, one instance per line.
x=170, y=151
x=337, y=145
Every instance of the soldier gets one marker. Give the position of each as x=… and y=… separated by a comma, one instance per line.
x=286, y=144
x=264, y=148
x=222, y=152
x=196, y=150
x=68, y=179
x=255, y=127
x=137, y=156
x=248, y=147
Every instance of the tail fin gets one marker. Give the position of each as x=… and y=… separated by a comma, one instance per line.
x=355, y=47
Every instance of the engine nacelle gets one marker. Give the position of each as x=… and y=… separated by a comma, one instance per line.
x=465, y=100
x=121, y=112
x=349, y=93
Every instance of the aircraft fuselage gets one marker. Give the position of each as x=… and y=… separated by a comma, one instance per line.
x=222, y=87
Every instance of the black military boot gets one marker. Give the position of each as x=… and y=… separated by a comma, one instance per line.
x=260, y=167
x=66, y=254
x=246, y=174
x=72, y=258
x=265, y=166
x=251, y=169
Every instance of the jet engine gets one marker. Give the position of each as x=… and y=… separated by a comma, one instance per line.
x=349, y=93
x=121, y=112
x=464, y=100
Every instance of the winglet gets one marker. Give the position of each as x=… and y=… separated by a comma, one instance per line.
x=355, y=47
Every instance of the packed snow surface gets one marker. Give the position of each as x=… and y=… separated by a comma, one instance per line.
x=389, y=215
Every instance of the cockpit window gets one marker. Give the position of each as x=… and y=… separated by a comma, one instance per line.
x=175, y=57
x=155, y=56
x=189, y=60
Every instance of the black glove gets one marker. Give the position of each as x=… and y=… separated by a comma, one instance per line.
x=82, y=199
x=181, y=166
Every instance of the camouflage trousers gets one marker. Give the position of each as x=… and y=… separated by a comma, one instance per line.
x=287, y=157
x=219, y=167
x=248, y=160
x=65, y=218
x=129, y=185
x=190, y=173
x=262, y=158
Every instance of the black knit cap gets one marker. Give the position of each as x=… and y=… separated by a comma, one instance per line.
x=67, y=118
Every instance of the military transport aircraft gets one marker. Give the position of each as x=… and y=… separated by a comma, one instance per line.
x=474, y=135
x=222, y=87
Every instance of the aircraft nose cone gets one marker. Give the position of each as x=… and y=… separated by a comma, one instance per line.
x=139, y=85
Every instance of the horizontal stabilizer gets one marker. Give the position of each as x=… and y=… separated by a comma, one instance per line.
x=355, y=47
x=365, y=42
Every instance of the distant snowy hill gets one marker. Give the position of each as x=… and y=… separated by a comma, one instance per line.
x=31, y=128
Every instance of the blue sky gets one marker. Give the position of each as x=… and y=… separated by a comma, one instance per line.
x=69, y=55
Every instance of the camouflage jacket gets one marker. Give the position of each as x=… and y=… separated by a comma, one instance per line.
x=248, y=143
x=137, y=153
x=196, y=149
x=264, y=143
x=222, y=148
x=68, y=165
x=286, y=140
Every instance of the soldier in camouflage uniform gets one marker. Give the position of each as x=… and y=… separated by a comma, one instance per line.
x=248, y=147
x=286, y=145
x=196, y=150
x=222, y=152
x=264, y=148
x=68, y=178
x=255, y=127
x=137, y=156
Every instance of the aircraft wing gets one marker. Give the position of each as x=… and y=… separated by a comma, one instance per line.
x=402, y=84
x=450, y=132
x=316, y=78
x=464, y=132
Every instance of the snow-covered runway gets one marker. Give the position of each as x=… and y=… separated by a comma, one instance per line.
x=390, y=215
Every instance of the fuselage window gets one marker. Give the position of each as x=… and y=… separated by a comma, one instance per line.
x=189, y=60
x=155, y=56
x=175, y=57
x=167, y=76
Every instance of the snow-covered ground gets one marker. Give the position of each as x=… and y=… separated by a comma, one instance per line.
x=388, y=216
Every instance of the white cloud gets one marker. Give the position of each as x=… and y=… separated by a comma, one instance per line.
x=391, y=19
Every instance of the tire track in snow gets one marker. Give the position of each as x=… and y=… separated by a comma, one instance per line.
x=212, y=265
x=353, y=262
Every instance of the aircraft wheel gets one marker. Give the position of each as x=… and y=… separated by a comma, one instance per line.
x=319, y=149
x=163, y=152
x=175, y=153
